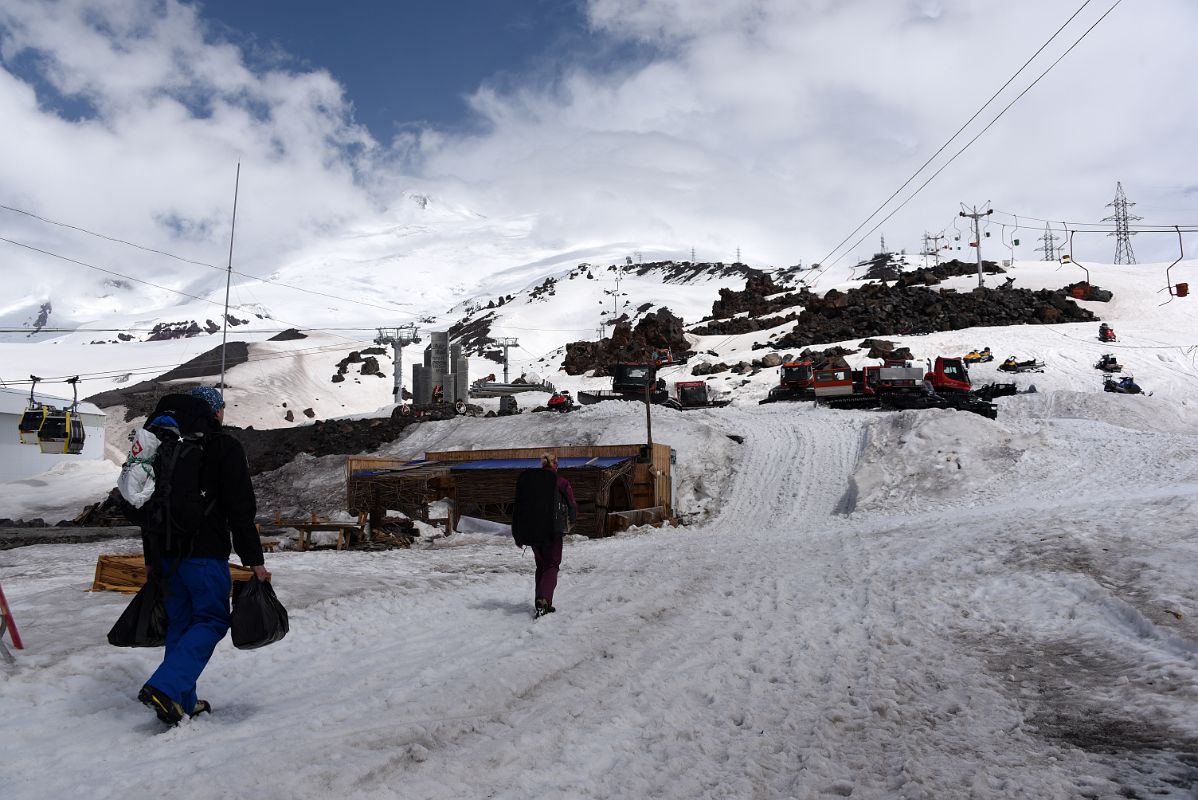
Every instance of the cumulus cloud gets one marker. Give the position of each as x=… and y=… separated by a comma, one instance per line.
x=770, y=125
x=780, y=125
x=125, y=117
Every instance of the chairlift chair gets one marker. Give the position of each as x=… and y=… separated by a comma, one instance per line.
x=1180, y=289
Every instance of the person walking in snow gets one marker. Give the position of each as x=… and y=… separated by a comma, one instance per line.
x=210, y=508
x=544, y=511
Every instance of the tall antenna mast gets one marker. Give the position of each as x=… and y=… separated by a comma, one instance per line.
x=224, y=335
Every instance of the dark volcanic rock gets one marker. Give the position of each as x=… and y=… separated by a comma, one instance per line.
x=657, y=330
x=475, y=337
x=271, y=449
x=902, y=309
x=288, y=335
x=140, y=398
x=761, y=297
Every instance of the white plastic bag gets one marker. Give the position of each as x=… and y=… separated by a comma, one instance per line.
x=136, y=483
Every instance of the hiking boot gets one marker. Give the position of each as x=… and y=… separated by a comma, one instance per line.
x=543, y=608
x=167, y=709
x=202, y=707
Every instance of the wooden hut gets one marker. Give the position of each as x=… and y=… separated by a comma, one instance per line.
x=615, y=485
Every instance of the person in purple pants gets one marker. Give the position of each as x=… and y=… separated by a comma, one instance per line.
x=543, y=513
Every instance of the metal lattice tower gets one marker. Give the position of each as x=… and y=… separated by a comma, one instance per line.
x=1049, y=248
x=1122, y=219
x=931, y=247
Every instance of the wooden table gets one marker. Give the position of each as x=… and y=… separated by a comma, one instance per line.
x=345, y=532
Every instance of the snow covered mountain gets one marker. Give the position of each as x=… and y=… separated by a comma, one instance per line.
x=918, y=604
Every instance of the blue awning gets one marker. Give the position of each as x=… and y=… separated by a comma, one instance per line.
x=533, y=463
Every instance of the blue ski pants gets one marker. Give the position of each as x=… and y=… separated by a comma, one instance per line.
x=197, y=605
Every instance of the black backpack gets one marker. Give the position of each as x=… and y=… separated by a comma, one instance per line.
x=175, y=513
x=541, y=511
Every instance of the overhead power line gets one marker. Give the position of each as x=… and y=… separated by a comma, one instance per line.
x=141, y=280
x=390, y=309
x=958, y=132
x=977, y=136
x=213, y=361
x=1100, y=223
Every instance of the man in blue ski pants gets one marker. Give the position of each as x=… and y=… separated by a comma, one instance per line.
x=197, y=569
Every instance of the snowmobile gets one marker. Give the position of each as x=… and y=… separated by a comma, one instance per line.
x=979, y=356
x=1125, y=385
x=1108, y=363
x=561, y=402
x=1013, y=364
x=1106, y=333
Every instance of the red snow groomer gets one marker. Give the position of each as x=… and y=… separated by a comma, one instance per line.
x=693, y=394
x=948, y=376
x=796, y=381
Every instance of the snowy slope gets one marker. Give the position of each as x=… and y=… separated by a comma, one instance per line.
x=1027, y=640
x=917, y=604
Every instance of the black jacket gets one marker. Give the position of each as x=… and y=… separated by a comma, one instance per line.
x=226, y=477
x=543, y=509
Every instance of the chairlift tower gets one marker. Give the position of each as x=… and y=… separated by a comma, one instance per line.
x=398, y=338
x=1122, y=219
x=931, y=247
x=976, y=215
x=506, y=344
x=1049, y=246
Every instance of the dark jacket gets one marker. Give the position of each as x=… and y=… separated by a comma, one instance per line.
x=544, y=507
x=225, y=477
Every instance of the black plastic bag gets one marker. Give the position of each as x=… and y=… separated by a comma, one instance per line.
x=259, y=618
x=143, y=622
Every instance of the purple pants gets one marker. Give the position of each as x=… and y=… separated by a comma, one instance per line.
x=549, y=558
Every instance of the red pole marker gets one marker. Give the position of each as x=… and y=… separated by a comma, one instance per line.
x=10, y=623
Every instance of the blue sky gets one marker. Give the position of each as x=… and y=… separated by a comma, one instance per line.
x=411, y=61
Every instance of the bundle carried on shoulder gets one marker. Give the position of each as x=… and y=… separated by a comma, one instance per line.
x=162, y=479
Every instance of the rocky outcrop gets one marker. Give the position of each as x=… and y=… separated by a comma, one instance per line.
x=901, y=309
x=655, y=331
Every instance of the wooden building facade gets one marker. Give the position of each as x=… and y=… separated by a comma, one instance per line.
x=609, y=482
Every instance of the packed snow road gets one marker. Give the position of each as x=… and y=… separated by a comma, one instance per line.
x=1027, y=644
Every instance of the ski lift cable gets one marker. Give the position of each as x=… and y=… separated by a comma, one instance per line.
x=959, y=131
x=136, y=280
x=980, y=133
x=1132, y=226
x=214, y=362
x=204, y=263
x=151, y=330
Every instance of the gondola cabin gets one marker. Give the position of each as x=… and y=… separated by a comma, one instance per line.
x=80, y=438
x=62, y=432
x=31, y=423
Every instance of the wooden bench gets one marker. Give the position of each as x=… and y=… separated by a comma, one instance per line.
x=345, y=532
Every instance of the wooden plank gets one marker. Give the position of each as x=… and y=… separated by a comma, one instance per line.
x=126, y=573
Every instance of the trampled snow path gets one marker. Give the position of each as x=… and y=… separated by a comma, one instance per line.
x=779, y=650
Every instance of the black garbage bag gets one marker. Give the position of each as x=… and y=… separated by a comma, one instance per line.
x=259, y=618
x=143, y=622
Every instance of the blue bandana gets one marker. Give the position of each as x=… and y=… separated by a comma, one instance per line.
x=209, y=396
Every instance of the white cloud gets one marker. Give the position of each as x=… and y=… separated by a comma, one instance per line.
x=772, y=125
x=779, y=125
